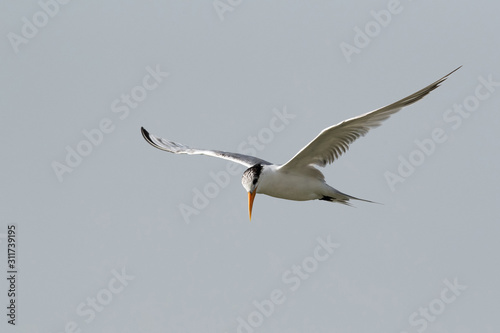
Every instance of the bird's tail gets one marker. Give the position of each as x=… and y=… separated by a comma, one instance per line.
x=337, y=196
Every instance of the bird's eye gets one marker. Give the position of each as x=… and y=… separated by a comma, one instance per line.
x=255, y=181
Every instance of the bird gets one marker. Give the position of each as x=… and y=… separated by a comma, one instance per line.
x=299, y=179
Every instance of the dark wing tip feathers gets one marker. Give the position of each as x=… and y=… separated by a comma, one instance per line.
x=441, y=80
x=425, y=91
x=453, y=71
x=144, y=133
x=438, y=82
x=148, y=139
x=146, y=136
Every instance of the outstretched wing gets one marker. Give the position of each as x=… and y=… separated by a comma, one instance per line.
x=335, y=140
x=178, y=148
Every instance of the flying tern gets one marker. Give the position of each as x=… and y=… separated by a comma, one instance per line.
x=299, y=179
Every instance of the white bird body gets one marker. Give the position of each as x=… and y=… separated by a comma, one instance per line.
x=297, y=185
x=291, y=185
x=299, y=179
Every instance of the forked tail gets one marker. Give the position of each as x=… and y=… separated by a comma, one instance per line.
x=337, y=196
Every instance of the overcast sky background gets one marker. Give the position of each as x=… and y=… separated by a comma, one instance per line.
x=119, y=210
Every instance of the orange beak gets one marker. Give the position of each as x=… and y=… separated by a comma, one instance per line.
x=251, y=197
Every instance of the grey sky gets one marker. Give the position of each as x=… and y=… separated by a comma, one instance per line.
x=105, y=247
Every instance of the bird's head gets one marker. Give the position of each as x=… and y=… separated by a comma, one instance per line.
x=250, y=181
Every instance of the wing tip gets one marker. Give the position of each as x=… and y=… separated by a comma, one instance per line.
x=447, y=75
x=145, y=134
x=456, y=69
x=149, y=138
x=425, y=91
